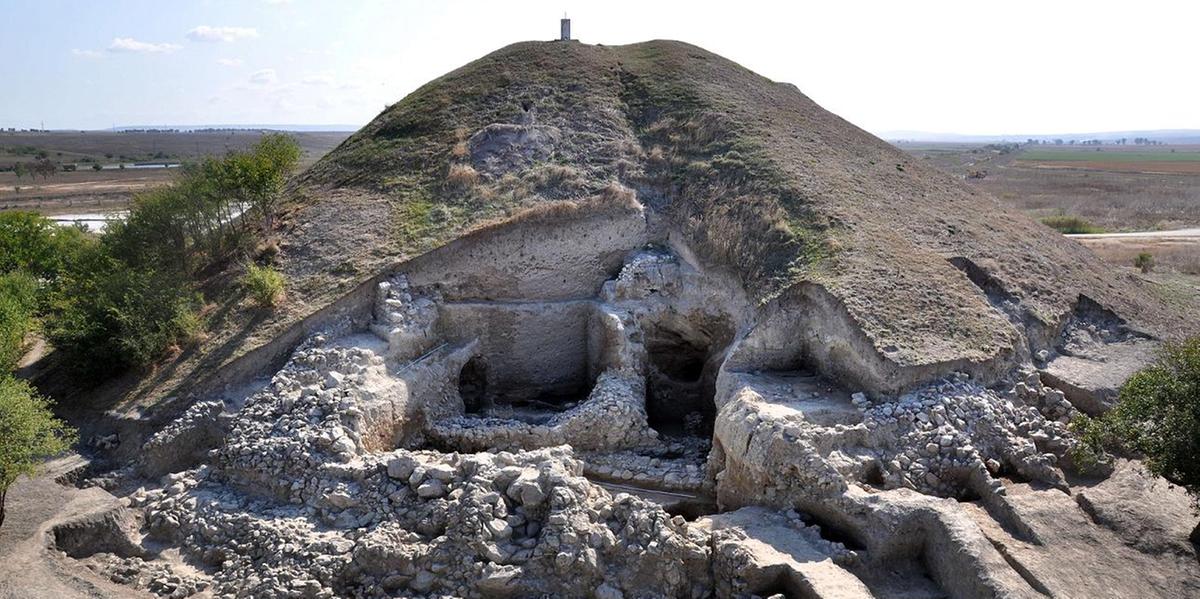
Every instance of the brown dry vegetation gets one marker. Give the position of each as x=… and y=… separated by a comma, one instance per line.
x=111, y=147
x=1107, y=198
x=1116, y=165
x=1179, y=255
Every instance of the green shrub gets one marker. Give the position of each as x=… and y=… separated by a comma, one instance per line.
x=1144, y=261
x=1070, y=224
x=265, y=284
x=1158, y=416
x=29, y=433
x=127, y=298
x=18, y=301
x=111, y=316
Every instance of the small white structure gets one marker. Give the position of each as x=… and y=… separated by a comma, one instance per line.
x=565, y=28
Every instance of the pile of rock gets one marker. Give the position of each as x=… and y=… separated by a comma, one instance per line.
x=155, y=577
x=645, y=273
x=1051, y=402
x=198, y=429
x=293, y=505
x=950, y=438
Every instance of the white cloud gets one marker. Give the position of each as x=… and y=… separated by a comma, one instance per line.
x=204, y=33
x=264, y=77
x=128, y=44
x=322, y=80
x=229, y=62
x=87, y=53
x=278, y=2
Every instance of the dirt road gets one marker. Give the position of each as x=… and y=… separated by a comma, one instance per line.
x=1175, y=234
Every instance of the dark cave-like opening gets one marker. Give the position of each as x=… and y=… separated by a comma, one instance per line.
x=681, y=380
x=472, y=386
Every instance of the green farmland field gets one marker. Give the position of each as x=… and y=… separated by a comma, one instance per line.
x=1106, y=155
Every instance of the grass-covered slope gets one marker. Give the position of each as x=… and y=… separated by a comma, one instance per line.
x=762, y=181
x=757, y=179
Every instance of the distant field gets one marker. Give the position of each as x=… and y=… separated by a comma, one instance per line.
x=110, y=189
x=1164, y=160
x=1077, y=189
x=1119, y=188
x=1106, y=154
x=108, y=147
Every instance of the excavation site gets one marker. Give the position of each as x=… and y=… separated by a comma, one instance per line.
x=631, y=322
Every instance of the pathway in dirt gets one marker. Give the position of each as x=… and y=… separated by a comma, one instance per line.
x=28, y=570
x=1177, y=233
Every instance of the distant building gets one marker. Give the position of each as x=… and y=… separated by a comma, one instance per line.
x=565, y=29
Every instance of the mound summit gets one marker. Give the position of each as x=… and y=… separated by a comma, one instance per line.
x=634, y=321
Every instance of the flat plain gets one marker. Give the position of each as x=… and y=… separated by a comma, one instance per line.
x=1111, y=188
x=97, y=183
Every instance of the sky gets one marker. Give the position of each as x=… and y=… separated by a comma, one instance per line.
x=1050, y=66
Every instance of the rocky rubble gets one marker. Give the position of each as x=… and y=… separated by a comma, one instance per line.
x=157, y=578
x=300, y=491
x=949, y=438
x=293, y=506
x=401, y=319
x=686, y=473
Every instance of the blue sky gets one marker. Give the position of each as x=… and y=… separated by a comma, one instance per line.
x=1013, y=67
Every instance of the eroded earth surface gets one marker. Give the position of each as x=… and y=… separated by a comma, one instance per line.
x=644, y=441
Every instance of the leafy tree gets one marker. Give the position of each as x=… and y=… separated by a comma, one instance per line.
x=27, y=242
x=18, y=301
x=256, y=177
x=29, y=433
x=44, y=167
x=121, y=302
x=19, y=170
x=111, y=316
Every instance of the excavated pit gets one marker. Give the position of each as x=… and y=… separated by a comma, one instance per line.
x=662, y=388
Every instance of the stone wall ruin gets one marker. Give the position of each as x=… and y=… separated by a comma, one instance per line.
x=520, y=413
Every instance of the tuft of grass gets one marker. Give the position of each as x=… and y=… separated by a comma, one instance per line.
x=1070, y=224
x=265, y=285
x=461, y=177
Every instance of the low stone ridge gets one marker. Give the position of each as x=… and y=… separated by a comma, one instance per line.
x=646, y=324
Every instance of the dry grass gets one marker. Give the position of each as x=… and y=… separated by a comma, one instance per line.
x=554, y=180
x=461, y=177
x=614, y=199
x=1111, y=200
x=1167, y=254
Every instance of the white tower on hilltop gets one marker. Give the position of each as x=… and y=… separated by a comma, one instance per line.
x=565, y=28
